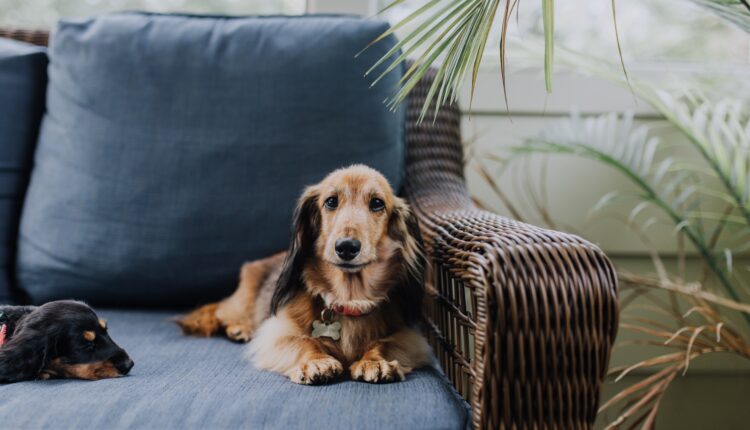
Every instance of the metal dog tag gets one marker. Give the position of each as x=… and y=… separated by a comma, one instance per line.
x=332, y=330
x=327, y=327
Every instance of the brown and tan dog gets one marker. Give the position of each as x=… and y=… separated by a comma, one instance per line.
x=345, y=296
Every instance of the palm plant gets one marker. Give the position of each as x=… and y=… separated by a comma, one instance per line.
x=731, y=10
x=703, y=195
x=453, y=36
x=456, y=33
x=720, y=132
x=705, y=201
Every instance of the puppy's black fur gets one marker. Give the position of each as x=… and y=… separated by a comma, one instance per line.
x=63, y=339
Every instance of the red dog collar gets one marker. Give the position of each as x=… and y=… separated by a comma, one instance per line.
x=347, y=311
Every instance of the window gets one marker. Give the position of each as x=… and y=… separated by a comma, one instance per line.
x=44, y=13
x=650, y=30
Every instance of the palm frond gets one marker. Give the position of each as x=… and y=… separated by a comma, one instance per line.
x=718, y=129
x=735, y=11
x=548, y=17
x=686, y=290
x=613, y=140
x=709, y=333
x=455, y=34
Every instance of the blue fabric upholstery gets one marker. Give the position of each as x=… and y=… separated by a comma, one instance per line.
x=192, y=383
x=23, y=80
x=175, y=147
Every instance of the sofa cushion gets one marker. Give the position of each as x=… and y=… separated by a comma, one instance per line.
x=186, y=383
x=175, y=147
x=23, y=79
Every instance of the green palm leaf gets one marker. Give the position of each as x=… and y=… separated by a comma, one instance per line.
x=735, y=11
x=453, y=34
x=614, y=141
x=719, y=130
x=548, y=15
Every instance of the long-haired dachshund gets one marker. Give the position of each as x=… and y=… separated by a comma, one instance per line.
x=346, y=295
x=63, y=339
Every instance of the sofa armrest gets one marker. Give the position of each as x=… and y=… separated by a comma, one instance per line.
x=36, y=37
x=521, y=318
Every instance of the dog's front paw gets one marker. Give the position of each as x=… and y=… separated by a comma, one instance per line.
x=317, y=371
x=240, y=332
x=376, y=371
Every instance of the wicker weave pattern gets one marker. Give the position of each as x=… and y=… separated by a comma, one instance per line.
x=37, y=37
x=521, y=318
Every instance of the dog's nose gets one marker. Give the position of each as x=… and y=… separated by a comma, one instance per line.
x=347, y=248
x=124, y=366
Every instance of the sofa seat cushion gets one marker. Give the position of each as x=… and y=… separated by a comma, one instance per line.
x=192, y=383
x=174, y=148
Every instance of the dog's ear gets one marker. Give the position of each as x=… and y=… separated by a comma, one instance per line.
x=305, y=230
x=26, y=354
x=403, y=227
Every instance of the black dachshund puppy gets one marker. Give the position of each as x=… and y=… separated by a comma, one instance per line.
x=63, y=339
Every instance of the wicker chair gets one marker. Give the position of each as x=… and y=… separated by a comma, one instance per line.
x=521, y=318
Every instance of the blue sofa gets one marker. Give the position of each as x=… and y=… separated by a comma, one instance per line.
x=172, y=148
x=191, y=383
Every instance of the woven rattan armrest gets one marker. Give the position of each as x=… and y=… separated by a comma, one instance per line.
x=521, y=318
x=37, y=37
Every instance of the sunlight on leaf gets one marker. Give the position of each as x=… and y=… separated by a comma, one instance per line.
x=548, y=16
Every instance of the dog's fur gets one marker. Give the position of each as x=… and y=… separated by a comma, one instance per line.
x=62, y=339
x=279, y=297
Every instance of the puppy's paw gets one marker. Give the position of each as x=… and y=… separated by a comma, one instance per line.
x=377, y=371
x=200, y=322
x=240, y=332
x=317, y=371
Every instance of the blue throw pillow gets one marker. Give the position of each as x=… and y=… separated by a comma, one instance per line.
x=174, y=148
x=23, y=79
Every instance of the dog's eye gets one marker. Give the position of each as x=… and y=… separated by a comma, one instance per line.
x=377, y=205
x=332, y=202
